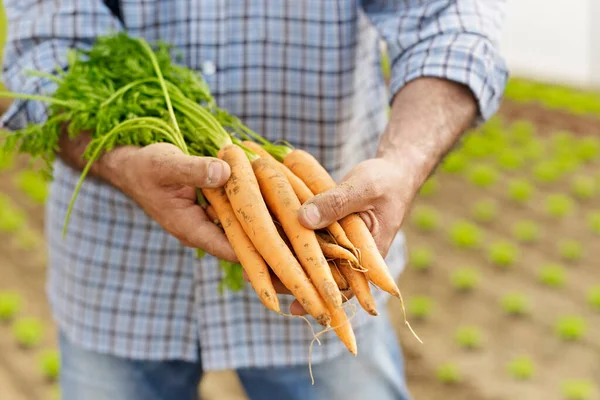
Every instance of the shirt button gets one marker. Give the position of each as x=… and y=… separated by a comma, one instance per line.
x=208, y=68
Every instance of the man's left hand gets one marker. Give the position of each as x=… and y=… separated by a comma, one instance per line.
x=379, y=189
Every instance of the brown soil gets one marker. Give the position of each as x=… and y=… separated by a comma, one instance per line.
x=483, y=370
x=550, y=121
x=505, y=337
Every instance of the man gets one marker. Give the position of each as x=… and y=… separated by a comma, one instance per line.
x=140, y=317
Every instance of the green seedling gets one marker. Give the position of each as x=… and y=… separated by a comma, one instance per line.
x=494, y=124
x=522, y=132
x=509, y=159
x=465, y=279
x=571, y=328
x=526, y=231
x=562, y=140
x=11, y=219
x=559, y=205
x=520, y=191
x=515, y=304
x=430, y=187
x=10, y=305
x=567, y=162
x=34, y=185
x=420, y=307
x=593, y=222
x=584, y=187
x=454, y=163
x=421, y=258
x=476, y=145
x=570, y=250
x=485, y=211
x=426, y=219
x=50, y=364
x=521, y=368
x=593, y=297
x=464, y=234
x=448, y=373
x=552, y=275
x=28, y=332
x=588, y=149
x=482, y=175
x=468, y=337
x=547, y=172
x=534, y=150
x=503, y=253
x=577, y=389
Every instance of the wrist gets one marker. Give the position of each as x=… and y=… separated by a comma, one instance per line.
x=427, y=118
x=112, y=167
x=408, y=157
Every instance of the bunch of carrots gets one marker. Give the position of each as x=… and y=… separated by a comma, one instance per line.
x=151, y=99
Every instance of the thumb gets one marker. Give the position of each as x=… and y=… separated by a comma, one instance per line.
x=199, y=172
x=332, y=205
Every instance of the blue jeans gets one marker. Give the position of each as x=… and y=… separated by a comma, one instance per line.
x=376, y=373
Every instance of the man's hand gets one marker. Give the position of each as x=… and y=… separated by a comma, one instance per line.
x=428, y=116
x=381, y=190
x=161, y=179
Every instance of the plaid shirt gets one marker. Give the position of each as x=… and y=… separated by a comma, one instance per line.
x=305, y=71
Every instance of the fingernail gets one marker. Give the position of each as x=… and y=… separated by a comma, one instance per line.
x=215, y=171
x=312, y=214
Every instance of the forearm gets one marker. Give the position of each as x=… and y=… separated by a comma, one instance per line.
x=107, y=167
x=427, y=118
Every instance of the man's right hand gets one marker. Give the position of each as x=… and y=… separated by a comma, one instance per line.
x=161, y=179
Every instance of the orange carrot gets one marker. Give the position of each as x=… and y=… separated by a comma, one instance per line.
x=377, y=270
x=342, y=327
x=307, y=168
x=252, y=213
x=283, y=236
x=333, y=251
x=303, y=192
x=359, y=285
x=283, y=202
x=252, y=262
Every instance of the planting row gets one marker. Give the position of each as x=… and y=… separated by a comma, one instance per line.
x=28, y=334
x=523, y=368
x=569, y=99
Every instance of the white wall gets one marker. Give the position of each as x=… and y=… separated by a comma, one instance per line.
x=553, y=40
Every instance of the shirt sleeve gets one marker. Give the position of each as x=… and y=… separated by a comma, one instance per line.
x=456, y=40
x=40, y=34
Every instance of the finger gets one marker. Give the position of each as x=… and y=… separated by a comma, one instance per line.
x=347, y=295
x=199, y=172
x=193, y=228
x=297, y=309
x=348, y=197
x=279, y=286
x=212, y=215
